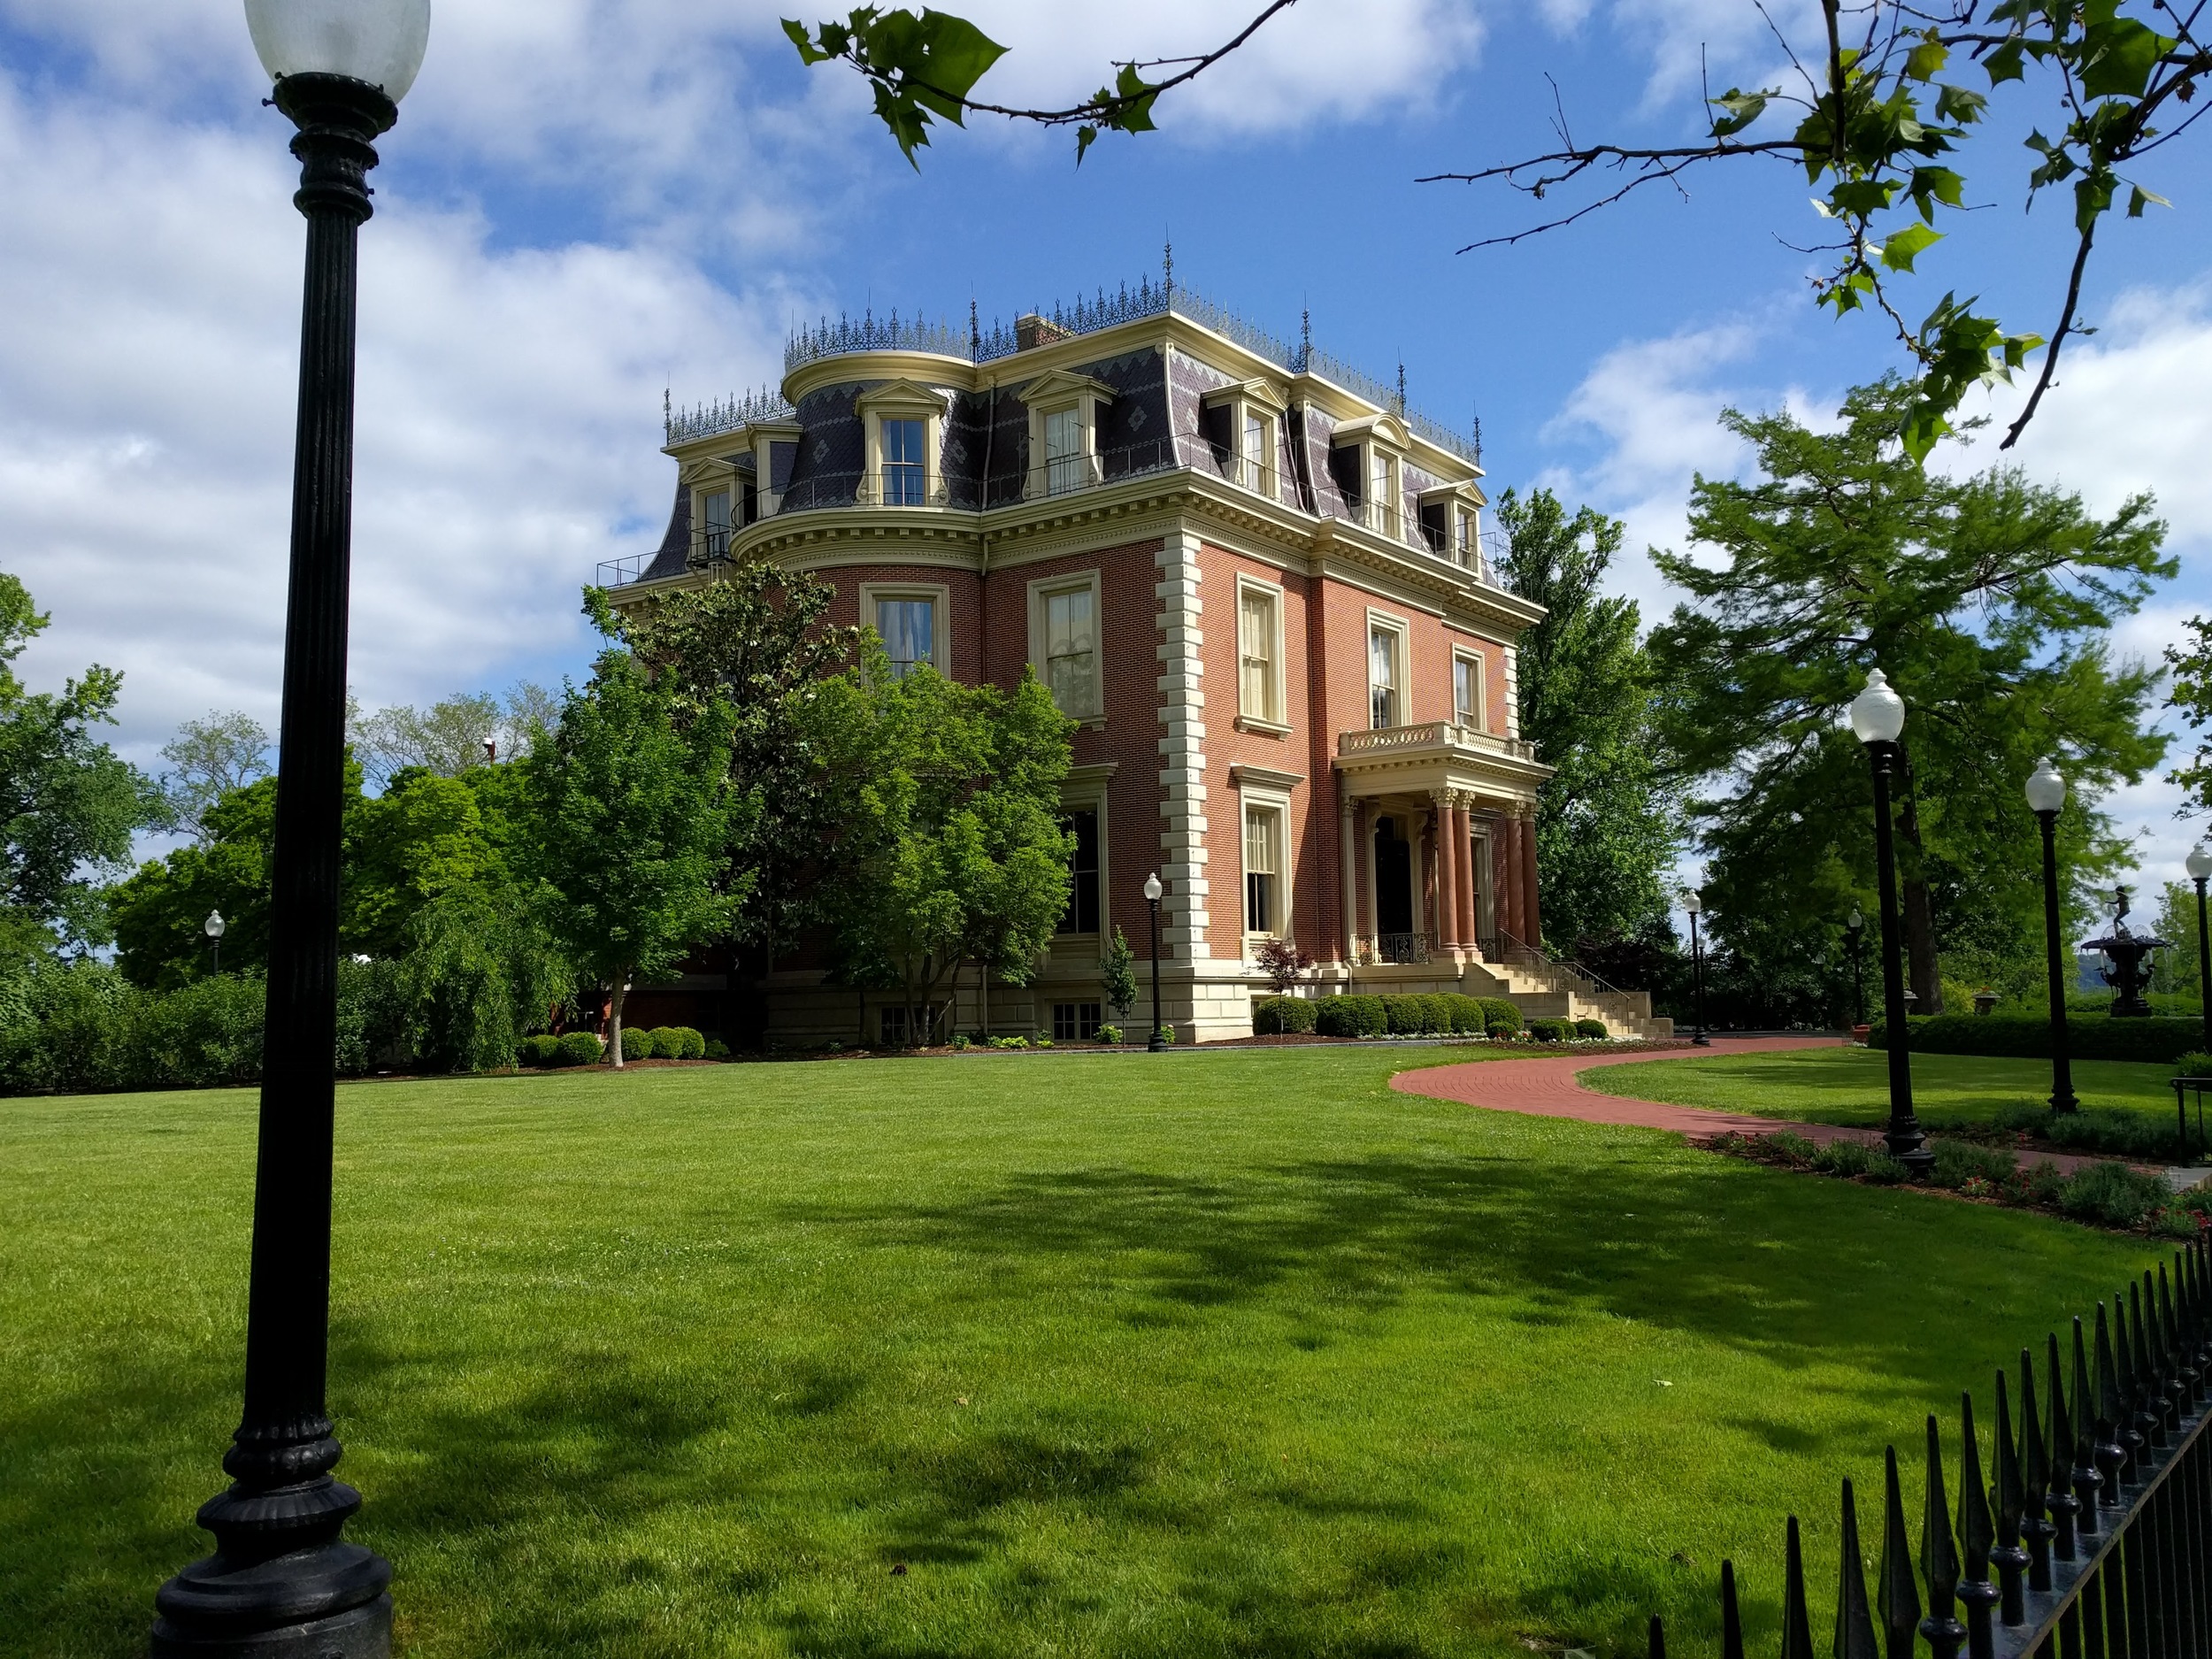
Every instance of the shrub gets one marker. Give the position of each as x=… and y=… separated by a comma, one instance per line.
x=2039, y=1183
x=2196, y=1062
x=542, y=1049
x=663, y=1043
x=1497, y=1008
x=1791, y=1147
x=1109, y=1035
x=2113, y=1193
x=1857, y=1158
x=636, y=1045
x=1272, y=1015
x=1402, y=1015
x=695, y=1043
x=1351, y=1017
x=580, y=1048
x=2176, y=1221
x=1466, y=1014
x=1552, y=1029
x=372, y=1018
x=716, y=1048
x=2028, y=1037
x=1594, y=1029
x=1504, y=1030
x=1959, y=1161
x=1439, y=1018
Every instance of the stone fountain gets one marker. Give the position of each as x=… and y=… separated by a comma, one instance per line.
x=2127, y=951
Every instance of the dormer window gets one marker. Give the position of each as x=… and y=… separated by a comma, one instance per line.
x=1242, y=421
x=1063, y=431
x=1367, y=459
x=714, y=516
x=904, y=426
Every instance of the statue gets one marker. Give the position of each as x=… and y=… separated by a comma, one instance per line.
x=2126, y=952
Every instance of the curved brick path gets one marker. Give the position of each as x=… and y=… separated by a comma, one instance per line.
x=1547, y=1088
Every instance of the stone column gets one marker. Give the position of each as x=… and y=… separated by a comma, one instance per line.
x=1531, y=912
x=1183, y=913
x=1506, y=851
x=1462, y=838
x=1348, y=857
x=1450, y=857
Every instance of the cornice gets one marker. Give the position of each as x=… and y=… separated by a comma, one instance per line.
x=849, y=368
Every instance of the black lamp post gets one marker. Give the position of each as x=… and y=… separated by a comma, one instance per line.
x=2047, y=793
x=1152, y=891
x=1878, y=717
x=213, y=928
x=1694, y=905
x=1856, y=927
x=283, y=1583
x=2200, y=867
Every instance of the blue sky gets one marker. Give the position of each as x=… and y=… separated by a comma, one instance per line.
x=588, y=200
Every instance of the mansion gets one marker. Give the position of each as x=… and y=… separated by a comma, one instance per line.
x=1254, y=578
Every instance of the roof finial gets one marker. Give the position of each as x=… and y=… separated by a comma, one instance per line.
x=1305, y=339
x=668, y=416
x=975, y=329
x=1167, y=264
x=1402, y=386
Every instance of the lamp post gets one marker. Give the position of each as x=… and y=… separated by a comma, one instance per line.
x=1878, y=716
x=2200, y=867
x=282, y=1581
x=1694, y=905
x=213, y=928
x=1856, y=926
x=2047, y=793
x=1152, y=891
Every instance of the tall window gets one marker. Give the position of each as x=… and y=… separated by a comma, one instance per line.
x=716, y=511
x=1256, y=631
x=1255, y=450
x=1071, y=651
x=1382, y=492
x=1082, y=914
x=909, y=628
x=1464, y=542
x=1263, y=862
x=1382, y=677
x=1063, y=451
x=1467, y=691
x=905, y=474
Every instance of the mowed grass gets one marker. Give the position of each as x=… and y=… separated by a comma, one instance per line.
x=1231, y=1353
x=1851, y=1086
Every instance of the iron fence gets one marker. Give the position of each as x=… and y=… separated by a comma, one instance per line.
x=2095, y=1539
x=1393, y=950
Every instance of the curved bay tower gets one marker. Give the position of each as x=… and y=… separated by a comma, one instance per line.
x=1253, y=576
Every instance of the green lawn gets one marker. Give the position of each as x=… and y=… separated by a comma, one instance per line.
x=1233, y=1353
x=1851, y=1086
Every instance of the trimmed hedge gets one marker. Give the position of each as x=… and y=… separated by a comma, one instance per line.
x=1273, y=1015
x=636, y=1045
x=1594, y=1029
x=1497, y=1008
x=2155, y=1040
x=677, y=1042
x=1552, y=1029
x=1351, y=1017
x=542, y=1049
x=580, y=1048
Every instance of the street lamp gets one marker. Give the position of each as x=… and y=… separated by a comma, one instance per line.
x=2200, y=867
x=1152, y=891
x=1877, y=716
x=1693, y=904
x=2047, y=793
x=282, y=1581
x=213, y=928
x=1856, y=926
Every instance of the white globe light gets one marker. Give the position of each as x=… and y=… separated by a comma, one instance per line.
x=1692, y=904
x=1152, y=888
x=214, y=925
x=1856, y=922
x=380, y=41
x=2199, y=862
x=2046, y=788
x=1877, y=713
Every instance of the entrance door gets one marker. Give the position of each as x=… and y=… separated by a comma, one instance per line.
x=1394, y=879
x=1486, y=900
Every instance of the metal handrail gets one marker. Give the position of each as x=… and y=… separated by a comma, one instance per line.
x=1393, y=949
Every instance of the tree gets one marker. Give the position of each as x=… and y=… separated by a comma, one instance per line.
x=69, y=804
x=480, y=972
x=2177, y=969
x=449, y=737
x=1606, y=829
x=758, y=642
x=627, y=826
x=1120, y=968
x=949, y=796
x=2192, y=696
x=1987, y=602
x=211, y=757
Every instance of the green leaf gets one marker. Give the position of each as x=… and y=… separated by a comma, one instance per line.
x=2139, y=198
x=1136, y=94
x=809, y=53
x=1960, y=105
x=954, y=53
x=1931, y=185
x=1862, y=196
x=2118, y=56
x=1085, y=137
x=1905, y=245
x=1742, y=108
x=2003, y=63
x=1926, y=61
x=2092, y=197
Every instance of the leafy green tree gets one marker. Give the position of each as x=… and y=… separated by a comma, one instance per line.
x=1606, y=828
x=480, y=972
x=1121, y=976
x=2190, y=694
x=758, y=643
x=1986, y=600
x=626, y=829
x=449, y=737
x=949, y=796
x=69, y=804
x=210, y=758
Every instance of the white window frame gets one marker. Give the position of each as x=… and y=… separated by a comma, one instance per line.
x=1087, y=790
x=1043, y=590
x=1380, y=621
x=1480, y=660
x=1275, y=719
x=901, y=400
x=1053, y=394
x=1246, y=401
x=941, y=618
x=1254, y=796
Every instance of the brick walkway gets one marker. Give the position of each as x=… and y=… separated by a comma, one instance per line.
x=1547, y=1088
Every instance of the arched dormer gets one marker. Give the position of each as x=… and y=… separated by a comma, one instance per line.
x=904, y=426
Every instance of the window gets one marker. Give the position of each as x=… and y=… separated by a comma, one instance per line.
x=905, y=473
x=1082, y=914
x=892, y=1023
x=1259, y=645
x=1382, y=676
x=909, y=628
x=1075, y=1022
x=1063, y=451
x=1070, y=650
x=1382, y=491
x=1467, y=689
x=715, y=516
x=1464, y=543
x=1262, y=861
x=1259, y=451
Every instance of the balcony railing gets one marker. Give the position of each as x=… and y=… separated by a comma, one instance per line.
x=1431, y=734
x=1398, y=950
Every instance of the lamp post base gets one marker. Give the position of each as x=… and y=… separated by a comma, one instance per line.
x=1158, y=1045
x=361, y=1632
x=281, y=1584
